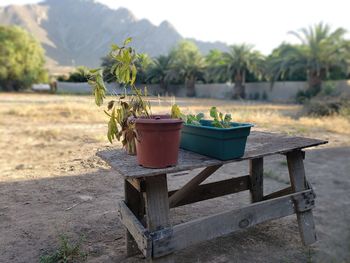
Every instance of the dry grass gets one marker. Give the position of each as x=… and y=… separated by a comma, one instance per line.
x=81, y=109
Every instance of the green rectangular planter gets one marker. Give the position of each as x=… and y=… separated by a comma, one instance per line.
x=219, y=143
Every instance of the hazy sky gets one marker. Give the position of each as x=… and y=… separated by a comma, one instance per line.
x=264, y=23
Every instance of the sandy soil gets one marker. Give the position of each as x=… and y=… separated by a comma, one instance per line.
x=52, y=183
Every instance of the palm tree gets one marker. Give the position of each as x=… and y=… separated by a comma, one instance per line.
x=320, y=49
x=159, y=71
x=215, y=64
x=238, y=61
x=189, y=64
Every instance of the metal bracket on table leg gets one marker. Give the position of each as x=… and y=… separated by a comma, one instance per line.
x=304, y=202
x=161, y=241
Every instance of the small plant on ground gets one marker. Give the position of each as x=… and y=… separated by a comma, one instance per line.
x=66, y=252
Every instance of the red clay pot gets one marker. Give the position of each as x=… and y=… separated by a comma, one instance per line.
x=158, y=141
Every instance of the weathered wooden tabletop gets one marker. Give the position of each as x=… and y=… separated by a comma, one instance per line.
x=259, y=144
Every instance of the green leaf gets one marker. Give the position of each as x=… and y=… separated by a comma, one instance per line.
x=115, y=47
x=175, y=112
x=127, y=41
x=133, y=74
x=227, y=118
x=200, y=116
x=214, y=113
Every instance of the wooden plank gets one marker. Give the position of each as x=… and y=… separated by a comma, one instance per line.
x=191, y=185
x=157, y=210
x=139, y=233
x=134, y=201
x=259, y=144
x=213, y=226
x=282, y=192
x=215, y=189
x=137, y=183
x=298, y=182
x=256, y=172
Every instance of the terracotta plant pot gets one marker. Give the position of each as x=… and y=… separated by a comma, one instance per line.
x=158, y=141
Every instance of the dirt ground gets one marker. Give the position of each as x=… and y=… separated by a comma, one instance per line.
x=51, y=183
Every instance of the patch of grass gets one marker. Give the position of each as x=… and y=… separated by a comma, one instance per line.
x=67, y=252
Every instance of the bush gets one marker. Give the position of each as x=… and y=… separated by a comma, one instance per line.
x=264, y=96
x=304, y=96
x=328, y=89
x=326, y=108
x=256, y=96
x=79, y=75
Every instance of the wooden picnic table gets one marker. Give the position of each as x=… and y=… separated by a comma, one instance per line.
x=145, y=210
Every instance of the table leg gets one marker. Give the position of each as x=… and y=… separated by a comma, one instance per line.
x=157, y=208
x=256, y=173
x=298, y=182
x=134, y=201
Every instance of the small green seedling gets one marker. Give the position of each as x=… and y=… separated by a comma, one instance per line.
x=194, y=119
x=66, y=252
x=220, y=121
x=188, y=119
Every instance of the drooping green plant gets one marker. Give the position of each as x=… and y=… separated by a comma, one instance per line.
x=220, y=120
x=125, y=108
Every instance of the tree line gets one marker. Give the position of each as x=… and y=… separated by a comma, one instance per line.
x=321, y=54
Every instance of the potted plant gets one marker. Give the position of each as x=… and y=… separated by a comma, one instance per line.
x=155, y=139
x=218, y=138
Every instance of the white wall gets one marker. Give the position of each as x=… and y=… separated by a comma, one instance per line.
x=280, y=92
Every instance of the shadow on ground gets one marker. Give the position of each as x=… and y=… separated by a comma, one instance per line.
x=34, y=213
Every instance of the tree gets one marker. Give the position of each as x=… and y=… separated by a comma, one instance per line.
x=159, y=71
x=143, y=64
x=320, y=50
x=215, y=72
x=188, y=64
x=238, y=61
x=273, y=66
x=21, y=59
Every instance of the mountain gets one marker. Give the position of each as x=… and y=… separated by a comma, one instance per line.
x=80, y=32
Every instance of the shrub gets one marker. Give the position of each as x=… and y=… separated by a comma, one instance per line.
x=79, y=75
x=325, y=107
x=66, y=252
x=264, y=96
x=256, y=96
